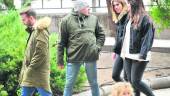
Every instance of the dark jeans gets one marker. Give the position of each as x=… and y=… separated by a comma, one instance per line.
x=134, y=70
x=117, y=69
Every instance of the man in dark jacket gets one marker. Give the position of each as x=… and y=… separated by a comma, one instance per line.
x=83, y=37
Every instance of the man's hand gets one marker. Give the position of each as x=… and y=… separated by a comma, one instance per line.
x=113, y=55
x=61, y=66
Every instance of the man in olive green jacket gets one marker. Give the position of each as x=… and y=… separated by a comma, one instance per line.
x=35, y=72
x=83, y=37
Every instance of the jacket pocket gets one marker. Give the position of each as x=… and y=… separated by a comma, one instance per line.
x=94, y=51
x=28, y=74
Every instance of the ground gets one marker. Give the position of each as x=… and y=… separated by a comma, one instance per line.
x=157, y=67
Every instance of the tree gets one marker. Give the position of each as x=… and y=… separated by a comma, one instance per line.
x=8, y=3
x=160, y=13
x=25, y=3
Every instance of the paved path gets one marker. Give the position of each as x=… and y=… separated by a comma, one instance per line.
x=105, y=64
x=161, y=92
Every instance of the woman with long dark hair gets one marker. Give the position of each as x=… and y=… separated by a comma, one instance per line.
x=137, y=43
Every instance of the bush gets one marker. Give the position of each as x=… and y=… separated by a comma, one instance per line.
x=13, y=42
x=161, y=14
x=3, y=92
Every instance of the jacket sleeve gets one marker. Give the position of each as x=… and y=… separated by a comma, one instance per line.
x=62, y=43
x=147, y=39
x=41, y=50
x=100, y=35
x=116, y=35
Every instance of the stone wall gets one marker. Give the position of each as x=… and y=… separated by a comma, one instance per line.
x=56, y=18
x=103, y=18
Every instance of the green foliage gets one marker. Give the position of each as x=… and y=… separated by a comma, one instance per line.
x=161, y=14
x=26, y=3
x=13, y=42
x=8, y=3
x=2, y=91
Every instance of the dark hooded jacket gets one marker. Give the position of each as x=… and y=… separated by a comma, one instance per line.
x=120, y=31
x=141, y=38
x=81, y=36
x=120, y=20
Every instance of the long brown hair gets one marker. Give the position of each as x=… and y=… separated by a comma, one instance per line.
x=137, y=10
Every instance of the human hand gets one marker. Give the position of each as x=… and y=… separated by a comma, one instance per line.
x=60, y=66
x=113, y=55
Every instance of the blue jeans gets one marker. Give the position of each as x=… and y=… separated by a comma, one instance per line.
x=71, y=75
x=28, y=91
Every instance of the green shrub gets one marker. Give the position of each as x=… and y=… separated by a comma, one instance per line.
x=2, y=91
x=161, y=14
x=13, y=42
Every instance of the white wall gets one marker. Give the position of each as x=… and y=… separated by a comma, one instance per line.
x=66, y=4
x=17, y=4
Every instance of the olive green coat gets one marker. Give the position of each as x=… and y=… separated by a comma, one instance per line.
x=35, y=71
x=82, y=36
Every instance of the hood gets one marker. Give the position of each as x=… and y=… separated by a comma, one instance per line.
x=116, y=17
x=80, y=18
x=77, y=14
x=74, y=13
x=43, y=23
